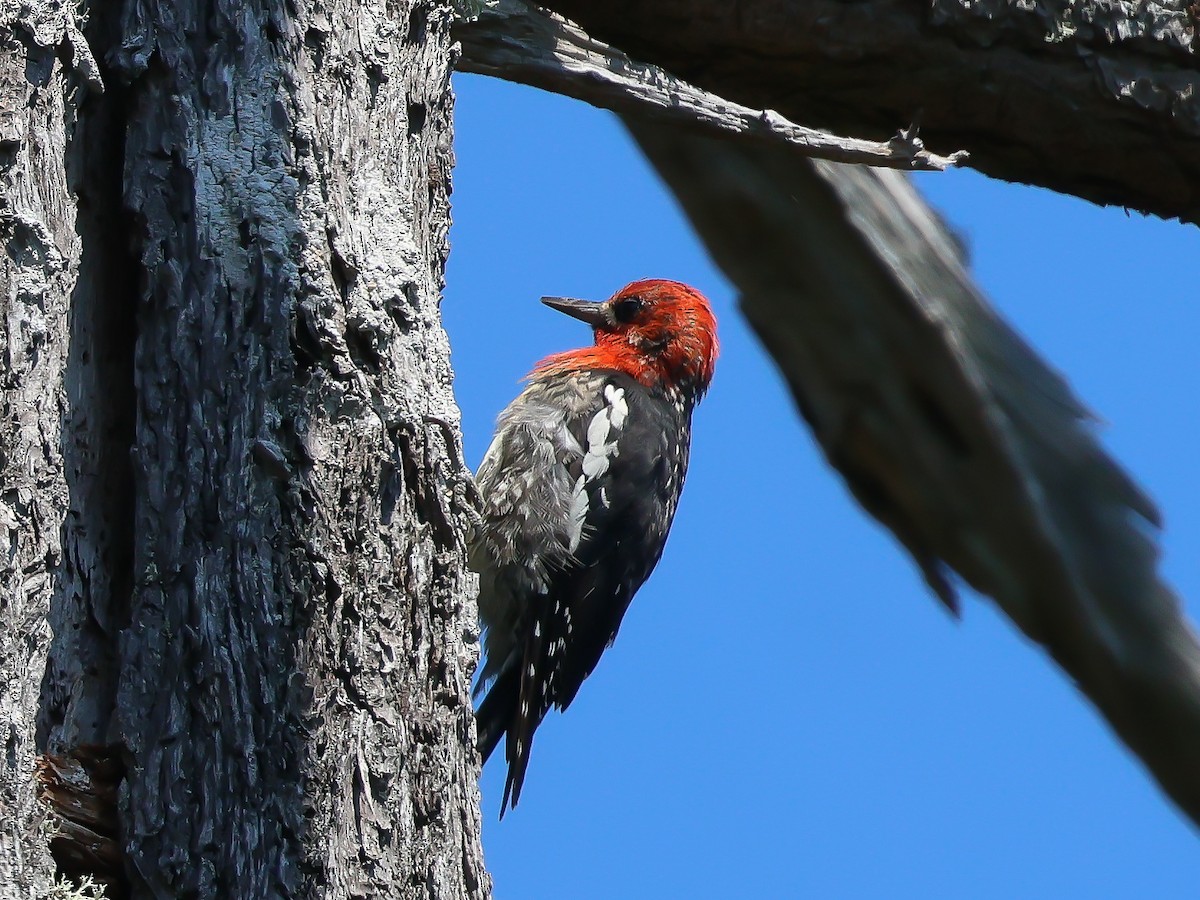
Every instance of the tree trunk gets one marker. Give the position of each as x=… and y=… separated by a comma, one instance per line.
x=259, y=607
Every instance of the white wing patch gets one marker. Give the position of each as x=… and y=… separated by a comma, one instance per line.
x=597, y=456
x=579, y=508
x=616, y=400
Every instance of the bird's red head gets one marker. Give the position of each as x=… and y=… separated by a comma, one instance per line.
x=663, y=333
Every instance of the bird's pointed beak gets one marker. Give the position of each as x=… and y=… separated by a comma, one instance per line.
x=595, y=313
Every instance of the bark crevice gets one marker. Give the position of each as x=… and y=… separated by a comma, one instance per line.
x=90, y=605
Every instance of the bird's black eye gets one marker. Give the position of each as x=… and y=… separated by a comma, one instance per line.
x=627, y=308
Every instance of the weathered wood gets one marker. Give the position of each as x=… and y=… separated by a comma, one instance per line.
x=80, y=790
x=39, y=270
x=227, y=484
x=293, y=693
x=947, y=427
x=517, y=41
x=1095, y=99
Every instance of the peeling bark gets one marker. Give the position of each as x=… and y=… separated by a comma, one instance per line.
x=80, y=790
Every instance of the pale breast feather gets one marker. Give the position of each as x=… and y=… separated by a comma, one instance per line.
x=526, y=484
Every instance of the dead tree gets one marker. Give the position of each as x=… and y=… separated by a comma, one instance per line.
x=235, y=558
x=234, y=615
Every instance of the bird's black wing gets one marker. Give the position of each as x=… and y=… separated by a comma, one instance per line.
x=629, y=507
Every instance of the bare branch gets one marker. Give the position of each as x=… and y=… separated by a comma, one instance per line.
x=519, y=42
x=947, y=427
x=1096, y=99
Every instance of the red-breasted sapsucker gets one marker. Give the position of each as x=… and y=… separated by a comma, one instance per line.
x=579, y=488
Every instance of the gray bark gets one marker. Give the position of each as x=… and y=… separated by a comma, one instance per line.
x=1094, y=99
x=228, y=485
x=38, y=271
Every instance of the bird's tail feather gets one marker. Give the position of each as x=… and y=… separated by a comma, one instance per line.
x=496, y=711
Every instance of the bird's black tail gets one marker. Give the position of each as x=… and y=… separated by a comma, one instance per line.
x=501, y=713
x=496, y=712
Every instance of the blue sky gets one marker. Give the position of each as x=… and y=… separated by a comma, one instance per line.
x=787, y=712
